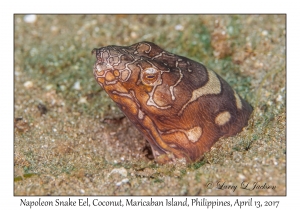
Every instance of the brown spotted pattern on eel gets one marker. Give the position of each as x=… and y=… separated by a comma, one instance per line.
x=180, y=106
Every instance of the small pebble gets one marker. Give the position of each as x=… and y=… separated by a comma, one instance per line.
x=242, y=177
x=76, y=85
x=49, y=87
x=125, y=180
x=42, y=108
x=29, y=18
x=179, y=27
x=122, y=171
x=133, y=35
x=21, y=126
x=264, y=32
x=28, y=84
x=62, y=88
x=54, y=28
x=17, y=73
x=122, y=182
x=279, y=98
x=82, y=100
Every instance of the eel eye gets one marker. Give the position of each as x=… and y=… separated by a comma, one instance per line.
x=150, y=76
